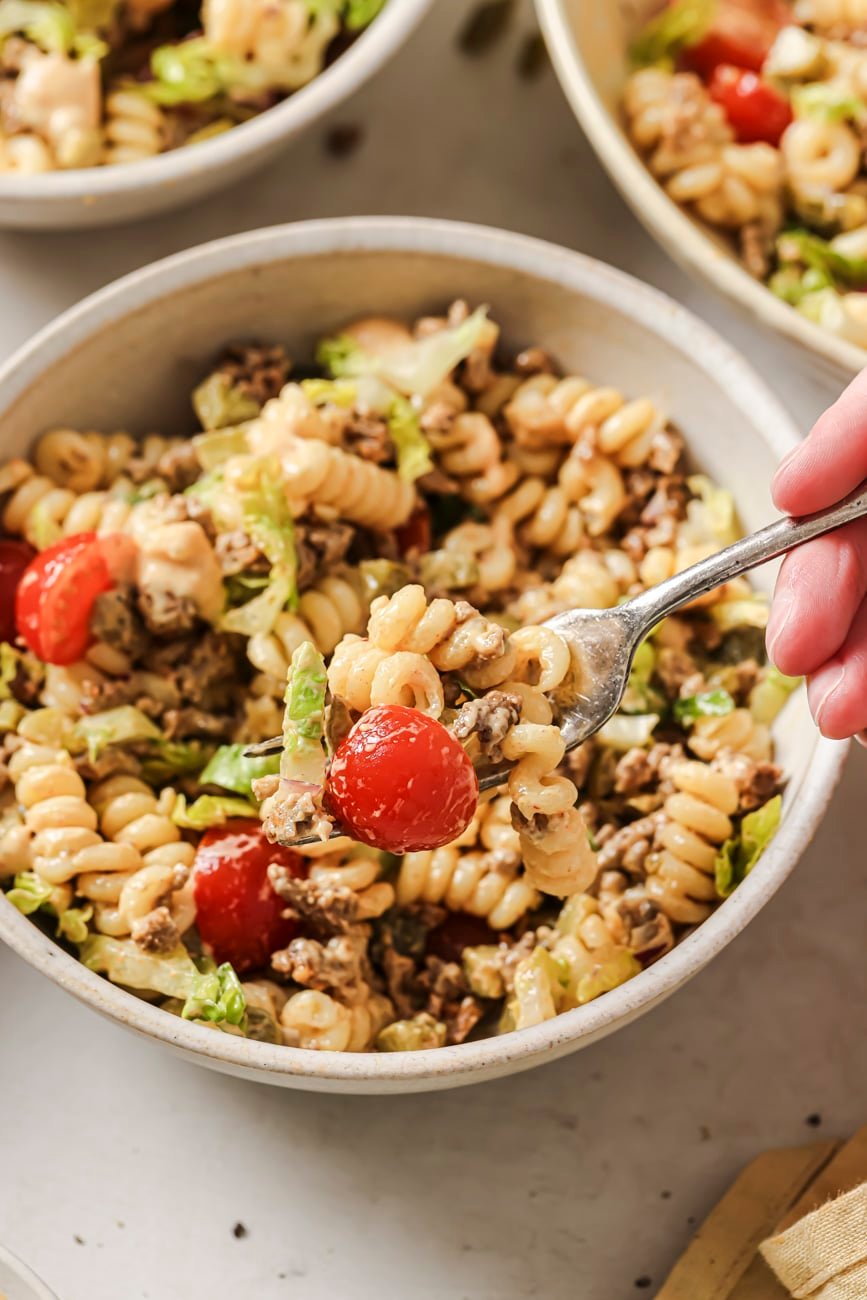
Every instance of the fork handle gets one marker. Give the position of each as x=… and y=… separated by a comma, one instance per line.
x=651, y=606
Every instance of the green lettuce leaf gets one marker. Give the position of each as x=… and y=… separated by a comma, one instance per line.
x=216, y=995
x=215, y=448
x=330, y=392
x=802, y=246
x=220, y=404
x=124, y=725
x=361, y=13
x=53, y=27
x=708, y=704
x=29, y=892
x=169, y=760
x=625, y=731
x=229, y=769
x=343, y=358
x=72, y=924
x=415, y=1035
x=768, y=696
x=793, y=285
x=303, y=757
x=827, y=103
x=680, y=25
x=212, y=993
x=739, y=855
x=267, y=520
x=412, y=447
x=210, y=810
x=10, y=661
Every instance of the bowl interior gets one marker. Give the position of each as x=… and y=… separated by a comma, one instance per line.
x=130, y=357
x=589, y=44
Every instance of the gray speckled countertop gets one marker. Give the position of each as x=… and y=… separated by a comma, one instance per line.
x=123, y=1172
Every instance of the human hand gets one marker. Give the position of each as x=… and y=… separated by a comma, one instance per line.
x=818, y=624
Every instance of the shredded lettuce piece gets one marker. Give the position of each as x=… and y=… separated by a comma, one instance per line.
x=303, y=757
x=712, y=512
x=415, y=1035
x=361, y=13
x=793, y=285
x=220, y=404
x=229, y=769
x=53, y=27
x=9, y=663
x=739, y=855
x=680, y=25
x=746, y=611
x=216, y=995
x=172, y=759
x=452, y=570
x=29, y=892
x=188, y=73
x=11, y=713
x=768, y=697
x=330, y=392
x=257, y=487
x=93, y=15
x=842, y=314
x=707, y=704
x=121, y=726
x=810, y=250
x=412, y=447
x=213, y=993
x=72, y=924
x=827, y=103
x=415, y=370
x=215, y=448
x=210, y=810
x=482, y=971
x=795, y=55
x=640, y=696
x=625, y=731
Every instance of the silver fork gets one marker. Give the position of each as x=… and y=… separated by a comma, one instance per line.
x=604, y=641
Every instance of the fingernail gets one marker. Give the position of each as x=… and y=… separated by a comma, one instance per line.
x=836, y=681
x=781, y=612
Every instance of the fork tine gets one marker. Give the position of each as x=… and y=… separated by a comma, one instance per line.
x=265, y=748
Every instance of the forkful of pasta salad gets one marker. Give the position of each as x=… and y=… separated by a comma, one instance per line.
x=394, y=743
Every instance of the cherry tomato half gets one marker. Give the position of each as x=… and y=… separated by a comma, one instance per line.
x=56, y=596
x=238, y=914
x=14, y=559
x=742, y=33
x=756, y=111
x=401, y=782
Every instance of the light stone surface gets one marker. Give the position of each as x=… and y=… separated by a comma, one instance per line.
x=124, y=1171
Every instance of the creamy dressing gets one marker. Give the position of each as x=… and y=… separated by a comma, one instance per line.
x=178, y=558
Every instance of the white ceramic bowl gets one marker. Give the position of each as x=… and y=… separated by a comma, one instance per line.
x=99, y=196
x=129, y=356
x=588, y=44
x=18, y=1282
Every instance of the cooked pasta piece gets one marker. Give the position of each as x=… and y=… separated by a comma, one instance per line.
x=697, y=821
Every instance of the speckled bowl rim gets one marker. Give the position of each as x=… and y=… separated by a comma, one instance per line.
x=18, y=1269
x=373, y=48
x=665, y=220
x=725, y=368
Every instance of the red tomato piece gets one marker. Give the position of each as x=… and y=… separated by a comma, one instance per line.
x=416, y=533
x=756, y=111
x=742, y=33
x=238, y=914
x=401, y=782
x=56, y=596
x=14, y=559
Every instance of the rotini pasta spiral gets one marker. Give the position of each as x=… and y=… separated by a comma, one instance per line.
x=843, y=17
x=327, y=612
x=546, y=410
x=469, y=449
x=697, y=821
x=359, y=872
x=25, y=153
x=318, y=1021
x=135, y=127
x=60, y=823
x=360, y=491
x=820, y=156
x=737, y=731
x=283, y=38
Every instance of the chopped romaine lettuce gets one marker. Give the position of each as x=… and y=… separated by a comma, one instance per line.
x=793, y=285
x=768, y=696
x=810, y=250
x=842, y=314
x=745, y=611
x=213, y=993
x=415, y=1035
x=72, y=924
x=361, y=13
x=215, y=448
x=220, y=404
x=330, y=392
x=231, y=770
x=609, y=974
x=216, y=995
x=795, y=55
x=680, y=25
x=628, y=731
x=48, y=25
x=257, y=488
x=172, y=759
x=11, y=713
x=712, y=511
x=412, y=447
x=414, y=370
x=708, y=704
x=121, y=726
x=382, y=578
x=451, y=570
x=827, y=103
x=93, y=15
x=10, y=661
x=187, y=73
x=210, y=810
x=482, y=971
x=29, y=892
x=303, y=757
x=739, y=855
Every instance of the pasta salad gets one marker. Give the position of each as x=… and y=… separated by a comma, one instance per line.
x=752, y=115
x=90, y=82
x=357, y=554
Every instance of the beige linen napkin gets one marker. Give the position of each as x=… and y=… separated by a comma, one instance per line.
x=824, y=1255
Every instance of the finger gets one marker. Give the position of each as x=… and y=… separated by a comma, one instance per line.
x=838, y=692
x=818, y=594
x=832, y=461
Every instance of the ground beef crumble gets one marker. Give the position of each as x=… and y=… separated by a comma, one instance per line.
x=320, y=547
x=156, y=932
x=489, y=718
x=332, y=909
x=336, y=966
x=257, y=370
